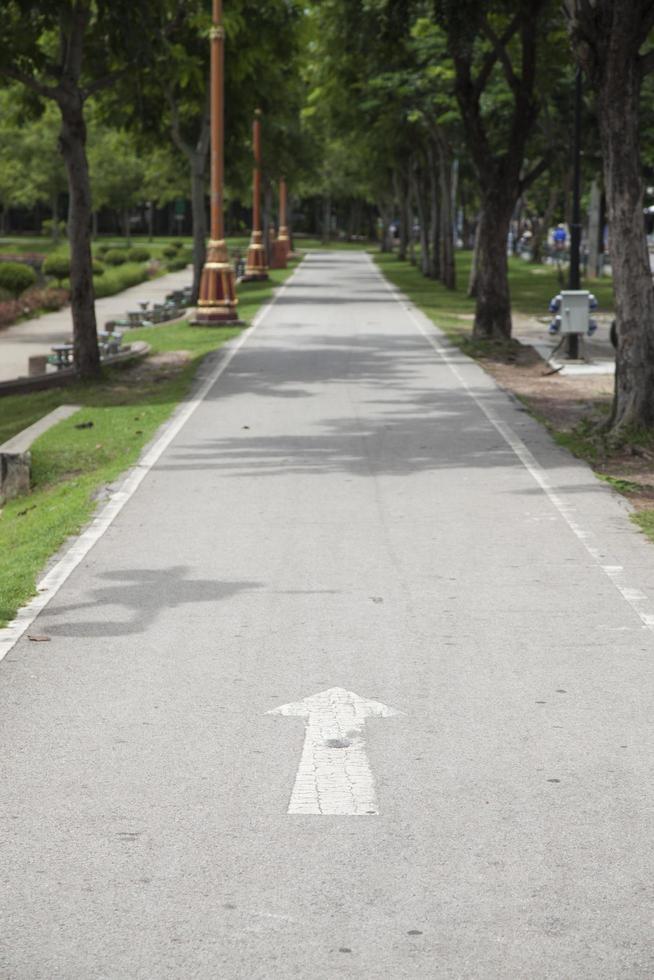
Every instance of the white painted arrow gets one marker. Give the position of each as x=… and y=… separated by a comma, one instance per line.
x=334, y=776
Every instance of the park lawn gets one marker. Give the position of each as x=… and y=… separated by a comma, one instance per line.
x=70, y=466
x=532, y=287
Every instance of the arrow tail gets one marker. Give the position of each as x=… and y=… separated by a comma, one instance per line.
x=334, y=779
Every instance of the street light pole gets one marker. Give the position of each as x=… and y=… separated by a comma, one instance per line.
x=574, y=280
x=282, y=237
x=217, y=303
x=256, y=267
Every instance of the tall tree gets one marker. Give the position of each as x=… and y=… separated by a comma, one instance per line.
x=65, y=50
x=607, y=39
x=495, y=47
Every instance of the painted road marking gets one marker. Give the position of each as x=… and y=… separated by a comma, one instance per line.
x=53, y=580
x=640, y=603
x=334, y=775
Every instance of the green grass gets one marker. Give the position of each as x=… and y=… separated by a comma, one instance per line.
x=532, y=287
x=70, y=465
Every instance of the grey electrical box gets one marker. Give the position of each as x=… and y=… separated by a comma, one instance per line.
x=575, y=310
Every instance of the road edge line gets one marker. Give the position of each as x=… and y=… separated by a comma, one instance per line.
x=80, y=545
x=637, y=600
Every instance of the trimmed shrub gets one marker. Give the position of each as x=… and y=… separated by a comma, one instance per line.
x=57, y=266
x=169, y=251
x=16, y=277
x=115, y=256
x=176, y=265
x=45, y=299
x=117, y=279
x=138, y=254
x=10, y=310
x=101, y=251
x=98, y=268
x=178, y=243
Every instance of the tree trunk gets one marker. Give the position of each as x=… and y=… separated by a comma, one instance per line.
x=619, y=97
x=493, y=309
x=94, y=226
x=434, y=214
x=592, y=266
x=471, y=292
x=545, y=223
x=419, y=198
x=72, y=143
x=127, y=232
x=401, y=194
x=447, y=265
x=56, y=232
x=199, y=216
x=326, y=218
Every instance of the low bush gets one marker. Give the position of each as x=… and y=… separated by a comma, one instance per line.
x=57, y=266
x=176, y=265
x=49, y=228
x=119, y=278
x=178, y=243
x=44, y=299
x=138, y=254
x=101, y=251
x=98, y=268
x=10, y=310
x=169, y=251
x=115, y=256
x=35, y=259
x=16, y=277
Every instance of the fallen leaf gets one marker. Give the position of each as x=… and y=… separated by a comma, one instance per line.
x=35, y=638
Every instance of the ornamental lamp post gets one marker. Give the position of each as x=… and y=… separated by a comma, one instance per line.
x=283, y=240
x=256, y=267
x=217, y=301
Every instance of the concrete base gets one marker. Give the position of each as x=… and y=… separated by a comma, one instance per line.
x=15, y=455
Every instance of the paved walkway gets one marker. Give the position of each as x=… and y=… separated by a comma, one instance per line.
x=350, y=508
x=23, y=340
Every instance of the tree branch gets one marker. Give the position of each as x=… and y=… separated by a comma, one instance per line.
x=534, y=174
x=103, y=82
x=500, y=52
x=175, y=127
x=47, y=91
x=490, y=60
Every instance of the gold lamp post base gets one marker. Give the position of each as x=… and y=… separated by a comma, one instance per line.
x=217, y=302
x=256, y=269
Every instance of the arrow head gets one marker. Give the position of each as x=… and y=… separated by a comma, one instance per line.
x=335, y=699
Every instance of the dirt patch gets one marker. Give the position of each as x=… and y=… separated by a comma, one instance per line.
x=157, y=367
x=575, y=405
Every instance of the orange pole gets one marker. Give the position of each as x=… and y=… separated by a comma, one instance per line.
x=217, y=122
x=256, y=176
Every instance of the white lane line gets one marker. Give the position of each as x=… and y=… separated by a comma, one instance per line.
x=334, y=776
x=50, y=584
x=639, y=602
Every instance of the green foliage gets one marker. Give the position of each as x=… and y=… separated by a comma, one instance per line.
x=98, y=268
x=118, y=278
x=138, y=254
x=177, y=264
x=170, y=251
x=57, y=265
x=16, y=277
x=115, y=256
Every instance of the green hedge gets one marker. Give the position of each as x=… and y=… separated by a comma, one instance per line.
x=116, y=256
x=119, y=278
x=138, y=254
x=16, y=277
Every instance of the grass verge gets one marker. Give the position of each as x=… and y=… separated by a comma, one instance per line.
x=71, y=465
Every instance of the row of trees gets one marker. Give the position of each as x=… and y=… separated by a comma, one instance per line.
x=442, y=92
x=142, y=68
x=418, y=107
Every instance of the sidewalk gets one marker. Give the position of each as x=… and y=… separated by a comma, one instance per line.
x=23, y=340
x=355, y=681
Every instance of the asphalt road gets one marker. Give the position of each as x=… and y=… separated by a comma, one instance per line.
x=351, y=507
